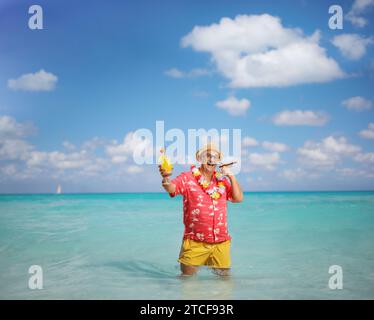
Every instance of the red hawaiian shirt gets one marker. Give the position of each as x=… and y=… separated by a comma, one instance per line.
x=204, y=218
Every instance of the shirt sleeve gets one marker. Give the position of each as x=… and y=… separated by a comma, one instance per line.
x=179, y=183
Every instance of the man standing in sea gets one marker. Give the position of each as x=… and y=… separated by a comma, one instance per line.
x=205, y=192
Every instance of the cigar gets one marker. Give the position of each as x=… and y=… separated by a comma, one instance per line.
x=227, y=164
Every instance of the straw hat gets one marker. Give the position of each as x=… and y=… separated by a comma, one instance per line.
x=210, y=146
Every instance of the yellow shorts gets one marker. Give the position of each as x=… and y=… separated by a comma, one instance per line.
x=197, y=253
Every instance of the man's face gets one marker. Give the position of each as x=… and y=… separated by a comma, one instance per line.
x=209, y=160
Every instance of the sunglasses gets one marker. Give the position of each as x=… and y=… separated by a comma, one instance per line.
x=211, y=156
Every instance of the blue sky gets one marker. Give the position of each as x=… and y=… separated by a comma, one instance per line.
x=99, y=70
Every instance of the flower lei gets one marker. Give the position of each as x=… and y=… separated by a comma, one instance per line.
x=217, y=191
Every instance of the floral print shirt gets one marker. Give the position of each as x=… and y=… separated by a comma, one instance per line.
x=204, y=218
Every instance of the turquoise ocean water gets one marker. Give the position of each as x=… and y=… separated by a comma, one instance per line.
x=125, y=246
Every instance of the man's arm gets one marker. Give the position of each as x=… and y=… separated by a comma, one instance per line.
x=236, y=190
x=166, y=183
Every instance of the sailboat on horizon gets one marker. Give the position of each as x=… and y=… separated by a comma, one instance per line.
x=59, y=190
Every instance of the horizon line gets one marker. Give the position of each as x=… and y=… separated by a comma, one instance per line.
x=161, y=192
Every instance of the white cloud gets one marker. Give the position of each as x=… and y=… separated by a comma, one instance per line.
x=96, y=166
x=133, y=169
x=36, y=158
x=300, y=118
x=121, y=152
x=258, y=51
x=347, y=171
x=93, y=144
x=275, y=146
x=297, y=174
x=352, y=46
x=80, y=162
x=10, y=169
x=316, y=156
x=354, y=172
x=234, y=106
x=258, y=182
x=38, y=81
x=174, y=73
x=20, y=160
x=68, y=145
x=351, y=172
x=58, y=159
x=266, y=161
x=194, y=73
x=369, y=132
x=14, y=149
x=358, y=8
x=83, y=160
x=251, y=179
x=327, y=152
x=10, y=128
x=365, y=157
x=339, y=145
x=74, y=160
x=357, y=103
x=249, y=142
